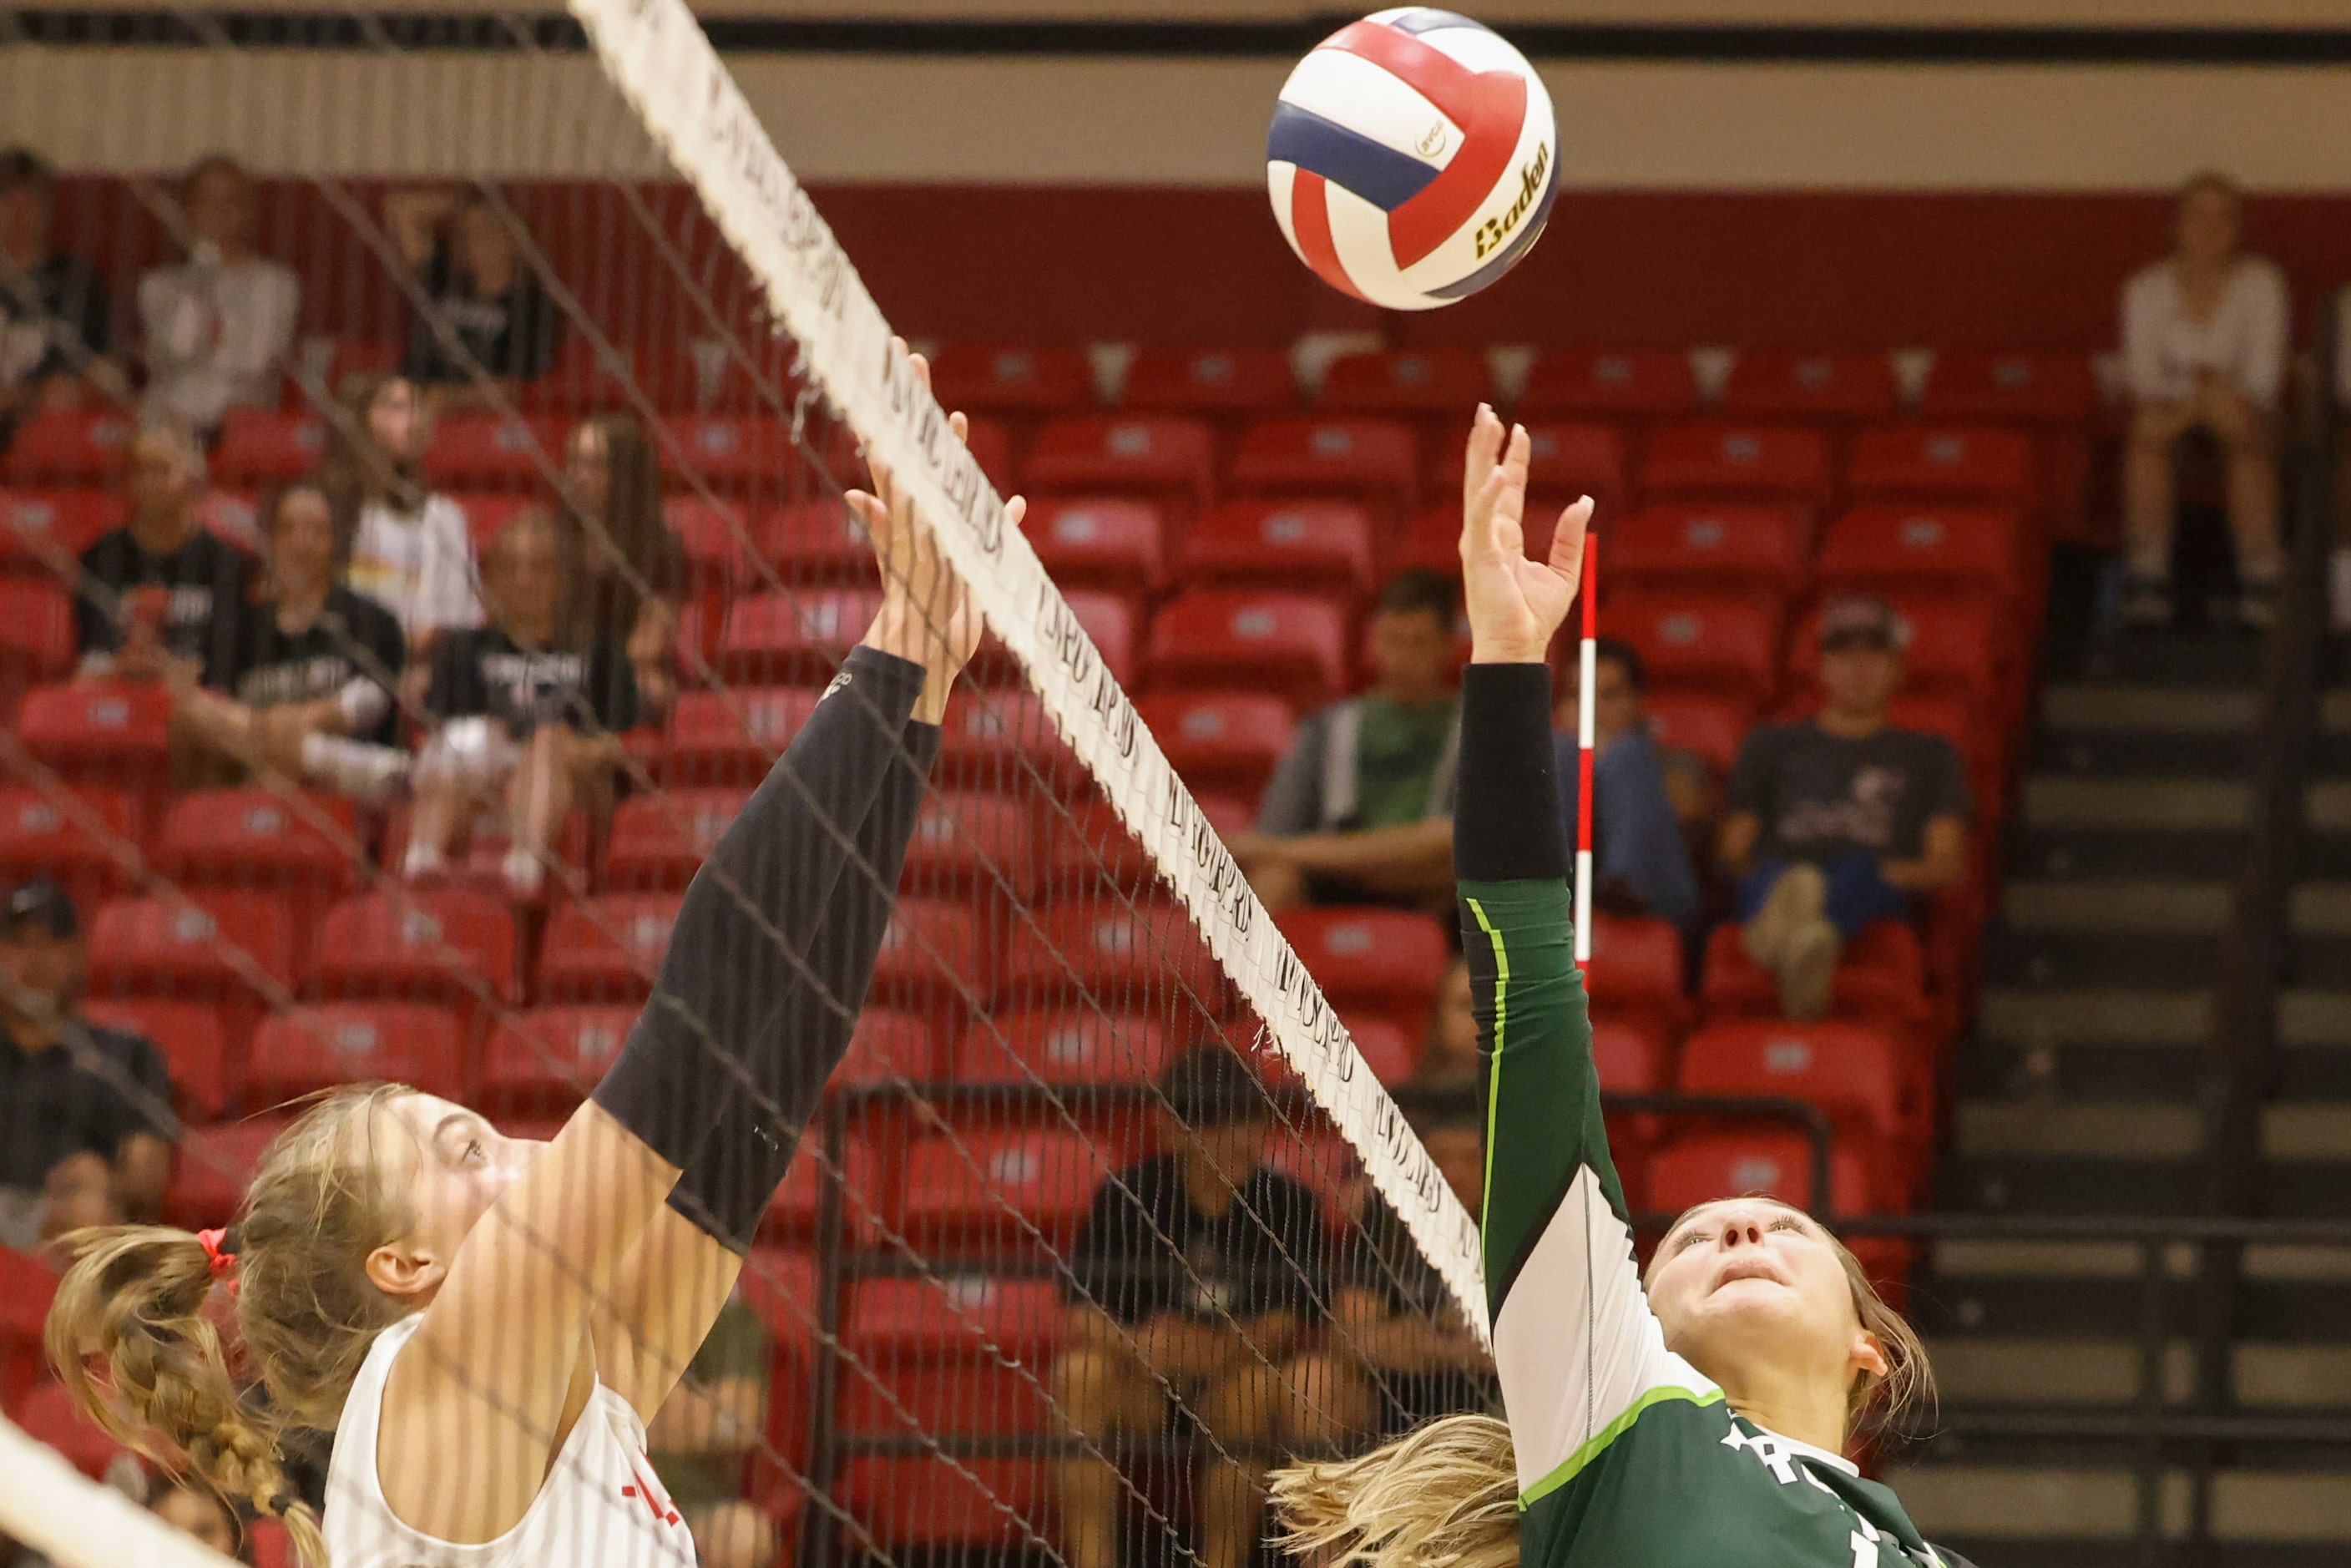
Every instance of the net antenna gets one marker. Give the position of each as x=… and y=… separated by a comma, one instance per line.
x=663, y=65
x=1586, y=722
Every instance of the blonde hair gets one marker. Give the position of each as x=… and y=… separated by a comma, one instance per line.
x=1446, y=1494
x=306, y=1313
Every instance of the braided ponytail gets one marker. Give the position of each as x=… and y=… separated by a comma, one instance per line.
x=135, y=1296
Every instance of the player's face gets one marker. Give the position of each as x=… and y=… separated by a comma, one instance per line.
x=1860, y=677
x=588, y=468
x=531, y=576
x=302, y=545
x=1750, y=1282
x=458, y=1165
x=219, y=203
x=395, y=419
x=1411, y=652
x=37, y=969
x=484, y=246
x=160, y=482
x=2208, y=223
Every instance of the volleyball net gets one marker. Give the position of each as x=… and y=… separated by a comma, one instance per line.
x=1105, y=1211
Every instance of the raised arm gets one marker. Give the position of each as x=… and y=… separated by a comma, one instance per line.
x=1577, y=1349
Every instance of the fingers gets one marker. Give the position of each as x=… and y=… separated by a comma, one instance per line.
x=1484, y=441
x=1016, y=511
x=1567, y=543
x=1478, y=539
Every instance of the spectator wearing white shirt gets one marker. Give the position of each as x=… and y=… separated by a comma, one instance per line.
x=410, y=549
x=2204, y=349
x=220, y=325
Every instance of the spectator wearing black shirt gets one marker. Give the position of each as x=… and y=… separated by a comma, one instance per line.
x=1842, y=819
x=313, y=689
x=632, y=565
x=55, y=330
x=86, y=1124
x=485, y=306
x=1196, y=1272
x=521, y=708
x=161, y=597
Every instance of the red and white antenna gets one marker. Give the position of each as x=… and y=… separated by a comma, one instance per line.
x=1590, y=667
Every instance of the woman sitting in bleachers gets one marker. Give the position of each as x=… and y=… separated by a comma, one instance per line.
x=408, y=548
x=524, y=710
x=632, y=565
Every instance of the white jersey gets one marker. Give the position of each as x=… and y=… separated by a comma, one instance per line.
x=418, y=565
x=601, y=1506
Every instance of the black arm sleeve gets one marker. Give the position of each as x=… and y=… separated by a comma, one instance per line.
x=1506, y=816
x=752, y=911
x=727, y=1188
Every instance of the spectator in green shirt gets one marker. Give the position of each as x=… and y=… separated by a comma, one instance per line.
x=1360, y=811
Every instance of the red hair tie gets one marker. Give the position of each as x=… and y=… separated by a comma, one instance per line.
x=218, y=1254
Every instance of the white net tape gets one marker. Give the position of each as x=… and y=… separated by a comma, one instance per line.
x=55, y=1510
x=663, y=64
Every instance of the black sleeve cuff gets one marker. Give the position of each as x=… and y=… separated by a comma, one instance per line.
x=1506, y=818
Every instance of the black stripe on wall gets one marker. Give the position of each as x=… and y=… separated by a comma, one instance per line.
x=1558, y=41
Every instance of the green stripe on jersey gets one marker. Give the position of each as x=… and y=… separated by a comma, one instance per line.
x=1493, y=1077
x=1567, y=1469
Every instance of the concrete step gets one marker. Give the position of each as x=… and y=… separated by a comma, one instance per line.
x=2296, y=1291
x=2187, y=659
x=2077, y=852
x=2044, y=1183
x=2115, y=708
x=2073, y=1514
x=2071, y=1371
x=2038, y=1129
x=1993, y=1070
x=2138, y=753
x=2108, y=904
x=2042, y=1288
x=2061, y=1018
x=2126, y=960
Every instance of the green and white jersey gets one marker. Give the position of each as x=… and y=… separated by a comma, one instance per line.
x=1628, y=1457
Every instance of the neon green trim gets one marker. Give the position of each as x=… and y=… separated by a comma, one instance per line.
x=1584, y=1456
x=1493, y=1077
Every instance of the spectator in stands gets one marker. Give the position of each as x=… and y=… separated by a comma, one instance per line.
x=55, y=321
x=1841, y=819
x=487, y=315
x=1360, y=810
x=1193, y=1273
x=519, y=708
x=161, y=597
x=2204, y=349
x=315, y=676
x=194, y=1511
x=409, y=549
x=1449, y=1060
x=1639, y=863
x=701, y=1436
x=85, y=1125
x=630, y=559
x=219, y=326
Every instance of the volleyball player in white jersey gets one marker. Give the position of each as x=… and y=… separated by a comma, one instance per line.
x=486, y=1324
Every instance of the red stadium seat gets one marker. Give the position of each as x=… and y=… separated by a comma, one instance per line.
x=1605, y=383
x=49, y=1415
x=237, y=950
x=660, y=840
x=780, y=636
x=2021, y=388
x=1681, y=546
x=1719, y=460
x=1881, y=978
x=1391, y=1049
x=451, y=945
x=1713, y=727
x=308, y=1049
x=36, y=636
x=1943, y=463
x=887, y=1048
x=1853, y=1073
x=718, y=538
x=1165, y=458
x=586, y=377
x=1381, y=960
x=608, y=948
x=724, y=451
x=44, y=530
x=814, y=542
x=87, y=840
x=732, y=737
x=1067, y=1045
x=489, y=513
x=1764, y=1162
x=305, y=847
x=212, y=1169
x=1108, y=544
x=495, y=451
x=546, y=1060
x=1125, y=959
x=928, y=1500
x=1006, y=379
x=1221, y=740
x=1291, y=644
x=206, y=1074
x=1218, y=382
x=83, y=446
x=1889, y=547
x=1701, y=642
x=932, y=948
x=1297, y=546
x=933, y=1318
x=796, y=1213
x=1416, y=384
x=1564, y=459
x=1957, y=646
x=26, y=1288
x=1789, y=384
x=1108, y=620
x=997, y=739
x=1636, y=972
x=1368, y=458
x=1630, y=1059
x=263, y=446
x=103, y=733
x=968, y=839
x=986, y=1189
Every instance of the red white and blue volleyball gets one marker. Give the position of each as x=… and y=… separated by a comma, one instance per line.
x=1413, y=158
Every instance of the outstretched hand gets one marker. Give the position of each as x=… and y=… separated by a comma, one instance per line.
x=1515, y=604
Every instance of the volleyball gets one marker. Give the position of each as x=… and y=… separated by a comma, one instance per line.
x=1413, y=158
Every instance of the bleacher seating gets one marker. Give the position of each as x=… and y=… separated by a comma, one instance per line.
x=1610, y=383
x=41, y=529
x=306, y=1049
x=1368, y=459
x=607, y=949
x=1011, y=379
x=1790, y=383
x=1292, y=644
x=1229, y=740
x=206, y=1074
x=1321, y=548
x=1226, y=384
x=1165, y=458
x=1110, y=543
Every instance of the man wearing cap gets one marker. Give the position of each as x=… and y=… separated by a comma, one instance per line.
x=86, y=1124
x=1841, y=819
x=1195, y=1275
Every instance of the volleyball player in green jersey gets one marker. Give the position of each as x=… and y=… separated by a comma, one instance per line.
x=1695, y=1419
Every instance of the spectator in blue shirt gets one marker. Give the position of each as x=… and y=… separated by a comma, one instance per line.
x=1639, y=862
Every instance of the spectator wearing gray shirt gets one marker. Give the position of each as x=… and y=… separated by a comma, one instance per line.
x=220, y=325
x=1361, y=810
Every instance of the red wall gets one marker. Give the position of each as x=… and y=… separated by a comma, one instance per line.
x=1853, y=270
